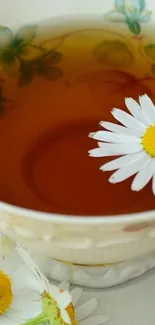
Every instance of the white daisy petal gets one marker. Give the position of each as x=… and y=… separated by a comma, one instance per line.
x=153, y=184
x=23, y=315
x=126, y=172
x=29, y=301
x=9, y=321
x=135, y=109
x=64, y=285
x=128, y=120
x=114, y=137
x=95, y=320
x=148, y=107
x=119, y=128
x=98, y=152
x=2, y=322
x=34, y=269
x=12, y=263
x=144, y=176
x=15, y=316
x=30, y=282
x=123, y=161
x=64, y=300
x=76, y=294
x=65, y=316
x=86, y=309
x=119, y=149
x=54, y=291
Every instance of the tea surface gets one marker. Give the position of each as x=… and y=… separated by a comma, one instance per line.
x=49, y=104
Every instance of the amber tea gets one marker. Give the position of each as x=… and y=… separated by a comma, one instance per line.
x=54, y=90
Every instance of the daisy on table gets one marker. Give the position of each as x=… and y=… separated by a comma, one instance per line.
x=18, y=301
x=59, y=306
x=134, y=141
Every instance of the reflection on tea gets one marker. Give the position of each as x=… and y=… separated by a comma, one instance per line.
x=51, y=98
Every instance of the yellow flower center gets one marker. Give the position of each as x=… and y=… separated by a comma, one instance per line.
x=148, y=140
x=6, y=295
x=71, y=312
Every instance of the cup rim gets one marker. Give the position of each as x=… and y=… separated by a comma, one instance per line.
x=133, y=218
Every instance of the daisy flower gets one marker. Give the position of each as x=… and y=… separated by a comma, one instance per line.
x=18, y=302
x=134, y=141
x=59, y=306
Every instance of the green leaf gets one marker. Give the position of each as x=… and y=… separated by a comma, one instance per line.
x=134, y=26
x=113, y=53
x=52, y=57
x=26, y=34
x=49, y=72
x=26, y=74
x=115, y=17
x=6, y=36
x=150, y=51
x=138, y=4
x=146, y=16
x=120, y=5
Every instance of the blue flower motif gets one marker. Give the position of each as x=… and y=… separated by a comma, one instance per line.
x=132, y=12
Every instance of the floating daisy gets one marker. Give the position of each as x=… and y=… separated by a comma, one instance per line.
x=134, y=141
x=59, y=305
x=18, y=302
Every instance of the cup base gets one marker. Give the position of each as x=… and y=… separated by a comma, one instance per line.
x=95, y=276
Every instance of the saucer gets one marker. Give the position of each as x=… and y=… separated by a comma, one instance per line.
x=94, y=276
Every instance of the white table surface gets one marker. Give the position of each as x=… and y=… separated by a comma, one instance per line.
x=128, y=304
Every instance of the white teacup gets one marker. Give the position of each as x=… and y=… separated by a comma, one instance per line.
x=80, y=249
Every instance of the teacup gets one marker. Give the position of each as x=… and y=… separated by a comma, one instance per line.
x=85, y=248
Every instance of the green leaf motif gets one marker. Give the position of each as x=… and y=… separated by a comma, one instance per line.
x=49, y=72
x=115, y=17
x=131, y=12
x=26, y=74
x=113, y=53
x=44, y=66
x=150, y=51
x=6, y=36
x=26, y=34
x=138, y=4
x=52, y=57
x=146, y=16
x=120, y=5
x=134, y=26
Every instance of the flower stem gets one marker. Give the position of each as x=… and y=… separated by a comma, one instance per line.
x=42, y=318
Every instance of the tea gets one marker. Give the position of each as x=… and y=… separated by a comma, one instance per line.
x=56, y=97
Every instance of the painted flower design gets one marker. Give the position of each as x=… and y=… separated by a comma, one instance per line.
x=59, y=305
x=132, y=12
x=18, y=301
x=133, y=141
x=45, y=66
x=5, y=103
x=17, y=47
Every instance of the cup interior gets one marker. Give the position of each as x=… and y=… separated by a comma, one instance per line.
x=58, y=81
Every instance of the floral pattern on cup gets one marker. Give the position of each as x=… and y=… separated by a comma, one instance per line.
x=19, y=55
x=5, y=103
x=133, y=13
